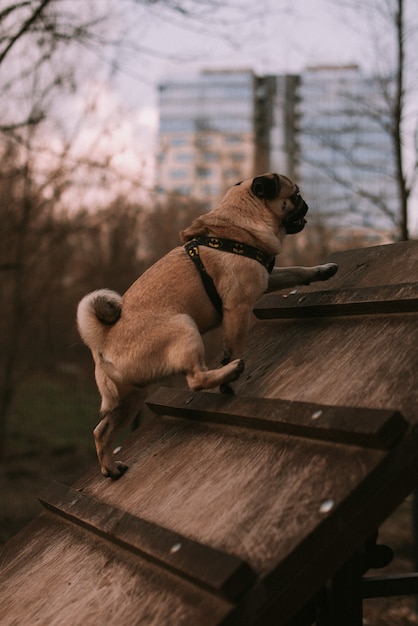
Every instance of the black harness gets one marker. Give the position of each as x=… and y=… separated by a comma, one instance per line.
x=225, y=245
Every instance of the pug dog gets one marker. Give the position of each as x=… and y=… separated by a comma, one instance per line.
x=214, y=279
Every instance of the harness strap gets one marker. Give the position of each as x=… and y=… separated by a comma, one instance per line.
x=226, y=245
x=192, y=250
x=236, y=247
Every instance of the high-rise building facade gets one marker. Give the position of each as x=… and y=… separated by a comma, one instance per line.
x=214, y=131
x=324, y=128
x=345, y=152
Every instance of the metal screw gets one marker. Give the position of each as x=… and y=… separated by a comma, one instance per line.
x=326, y=506
x=175, y=548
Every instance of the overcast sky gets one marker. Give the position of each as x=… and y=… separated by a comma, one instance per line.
x=277, y=36
x=268, y=36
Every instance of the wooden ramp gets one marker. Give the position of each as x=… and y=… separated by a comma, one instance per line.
x=240, y=509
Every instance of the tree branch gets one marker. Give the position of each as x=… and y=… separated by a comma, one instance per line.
x=24, y=28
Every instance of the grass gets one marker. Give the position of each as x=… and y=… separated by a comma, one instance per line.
x=49, y=437
x=52, y=413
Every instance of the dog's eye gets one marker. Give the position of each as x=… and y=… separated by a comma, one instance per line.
x=284, y=205
x=236, y=184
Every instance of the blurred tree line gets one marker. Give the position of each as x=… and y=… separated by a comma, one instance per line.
x=56, y=241
x=50, y=257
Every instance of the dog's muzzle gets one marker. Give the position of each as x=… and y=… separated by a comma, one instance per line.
x=295, y=221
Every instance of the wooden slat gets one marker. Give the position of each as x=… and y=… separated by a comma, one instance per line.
x=209, y=568
x=394, y=585
x=372, y=428
x=365, y=301
x=335, y=541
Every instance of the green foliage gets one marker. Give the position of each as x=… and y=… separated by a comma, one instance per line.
x=51, y=414
x=49, y=437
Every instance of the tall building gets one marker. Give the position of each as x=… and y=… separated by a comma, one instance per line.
x=345, y=153
x=324, y=128
x=212, y=133
x=284, y=128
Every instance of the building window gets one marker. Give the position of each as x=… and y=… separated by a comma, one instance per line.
x=178, y=141
x=211, y=190
x=210, y=157
x=204, y=141
x=202, y=124
x=178, y=173
x=183, y=190
x=233, y=173
x=185, y=157
x=232, y=139
x=176, y=125
x=203, y=172
x=237, y=157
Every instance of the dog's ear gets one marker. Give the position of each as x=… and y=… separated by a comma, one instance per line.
x=267, y=186
x=197, y=227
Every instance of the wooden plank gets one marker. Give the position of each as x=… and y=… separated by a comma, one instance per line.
x=390, y=264
x=351, y=361
x=319, y=556
x=209, y=568
x=384, y=299
x=373, y=428
x=254, y=494
x=345, y=599
x=57, y=573
x=394, y=585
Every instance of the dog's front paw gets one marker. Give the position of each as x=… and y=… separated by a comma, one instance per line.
x=326, y=271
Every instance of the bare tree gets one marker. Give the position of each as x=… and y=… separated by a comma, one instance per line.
x=48, y=260
x=63, y=38
x=405, y=182
x=28, y=239
x=395, y=37
x=392, y=27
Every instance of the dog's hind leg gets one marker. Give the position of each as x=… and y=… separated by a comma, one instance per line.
x=200, y=377
x=119, y=407
x=187, y=355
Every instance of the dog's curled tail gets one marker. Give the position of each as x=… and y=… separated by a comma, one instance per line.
x=96, y=311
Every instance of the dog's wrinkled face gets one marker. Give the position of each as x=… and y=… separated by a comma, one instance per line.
x=295, y=221
x=283, y=197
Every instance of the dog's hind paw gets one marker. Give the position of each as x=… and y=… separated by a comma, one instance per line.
x=227, y=389
x=238, y=368
x=117, y=473
x=233, y=370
